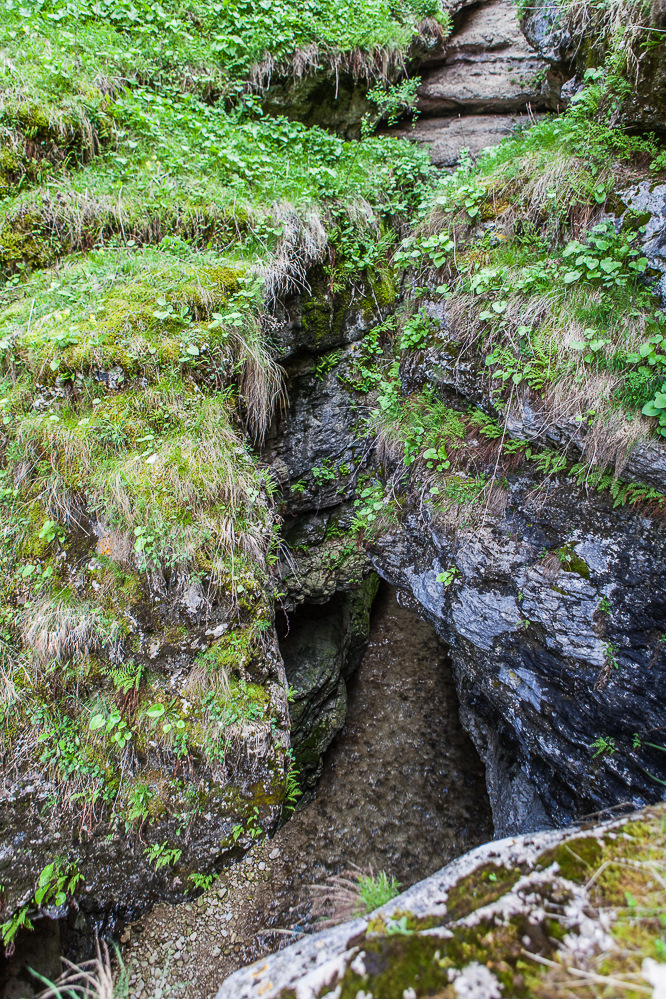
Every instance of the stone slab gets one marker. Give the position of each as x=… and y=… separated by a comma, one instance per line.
x=445, y=138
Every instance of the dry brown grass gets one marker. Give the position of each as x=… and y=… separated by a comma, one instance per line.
x=11, y=666
x=577, y=399
x=618, y=25
x=380, y=64
x=56, y=630
x=262, y=380
x=93, y=979
x=302, y=243
x=338, y=899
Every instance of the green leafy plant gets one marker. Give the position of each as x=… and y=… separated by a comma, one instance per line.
x=127, y=677
x=251, y=829
x=327, y=363
x=168, y=719
x=607, y=257
x=368, y=504
x=202, y=882
x=592, y=344
x=323, y=473
x=146, y=540
x=292, y=788
x=50, y=530
x=162, y=855
x=393, y=102
x=57, y=882
x=448, y=575
x=610, y=654
x=355, y=892
x=415, y=332
x=139, y=803
x=657, y=407
x=604, y=744
x=114, y=724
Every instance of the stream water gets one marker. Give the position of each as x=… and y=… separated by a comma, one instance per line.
x=402, y=791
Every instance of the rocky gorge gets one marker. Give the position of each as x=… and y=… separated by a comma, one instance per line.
x=450, y=388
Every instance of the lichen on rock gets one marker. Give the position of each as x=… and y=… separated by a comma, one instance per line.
x=540, y=912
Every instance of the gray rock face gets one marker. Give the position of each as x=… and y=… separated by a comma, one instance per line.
x=550, y=651
x=572, y=39
x=488, y=67
x=311, y=446
x=321, y=649
x=547, y=33
x=649, y=202
x=548, y=655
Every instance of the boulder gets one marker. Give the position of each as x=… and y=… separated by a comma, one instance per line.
x=446, y=138
x=519, y=917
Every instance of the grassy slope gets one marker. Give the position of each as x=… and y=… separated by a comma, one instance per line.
x=148, y=210
x=549, y=302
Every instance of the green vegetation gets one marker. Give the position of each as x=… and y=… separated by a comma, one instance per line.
x=99, y=978
x=151, y=212
x=555, y=298
x=57, y=882
x=375, y=890
x=604, y=744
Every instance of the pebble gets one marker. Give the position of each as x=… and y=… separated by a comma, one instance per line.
x=274, y=854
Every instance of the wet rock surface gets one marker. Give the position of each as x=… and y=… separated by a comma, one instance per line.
x=573, y=40
x=549, y=653
x=554, y=612
x=321, y=646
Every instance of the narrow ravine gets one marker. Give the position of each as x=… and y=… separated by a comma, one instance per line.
x=402, y=790
x=401, y=765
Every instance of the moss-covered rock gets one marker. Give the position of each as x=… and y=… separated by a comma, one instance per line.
x=519, y=917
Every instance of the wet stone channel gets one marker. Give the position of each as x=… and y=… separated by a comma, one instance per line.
x=402, y=790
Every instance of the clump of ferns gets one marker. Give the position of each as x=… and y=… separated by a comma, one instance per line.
x=126, y=679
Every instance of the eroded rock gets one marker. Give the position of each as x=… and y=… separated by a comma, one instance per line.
x=488, y=68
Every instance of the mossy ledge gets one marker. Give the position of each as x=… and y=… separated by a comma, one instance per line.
x=520, y=917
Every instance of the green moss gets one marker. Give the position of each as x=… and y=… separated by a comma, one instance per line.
x=571, y=562
x=484, y=885
x=324, y=311
x=577, y=860
x=24, y=243
x=399, y=962
x=383, y=291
